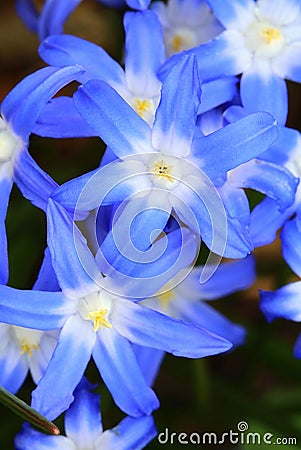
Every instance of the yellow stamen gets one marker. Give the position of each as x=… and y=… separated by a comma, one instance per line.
x=177, y=43
x=99, y=319
x=28, y=347
x=142, y=106
x=270, y=34
x=162, y=170
x=165, y=298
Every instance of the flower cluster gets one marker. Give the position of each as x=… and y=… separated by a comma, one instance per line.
x=193, y=119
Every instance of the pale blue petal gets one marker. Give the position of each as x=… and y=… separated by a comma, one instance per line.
x=228, y=278
x=149, y=360
x=266, y=219
x=291, y=245
x=131, y=433
x=176, y=115
x=225, y=55
x=67, y=50
x=285, y=302
x=204, y=315
x=13, y=367
x=280, y=11
x=105, y=111
x=35, y=184
x=145, y=55
x=46, y=280
x=138, y=4
x=83, y=420
x=132, y=233
x=236, y=203
x=5, y=189
x=232, y=12
x=287, y=64
x=114, y=182
x=30, y=439
x=60, y=119
x=261, y=91
x=270, y=179
x=22, y=106
x=54, y=15
x=150, y=328
x=27, y=11
x=235, y=144
x=119, y=370
x=205, y=214
x=288, y=140
x=217, y=92
x=65, y=368
x=144, y=277
x=72, y=260
x=34, y=309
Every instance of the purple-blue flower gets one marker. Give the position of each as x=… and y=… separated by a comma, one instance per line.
x=83, y=426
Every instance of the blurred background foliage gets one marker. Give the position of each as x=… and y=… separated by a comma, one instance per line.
x=259, y=383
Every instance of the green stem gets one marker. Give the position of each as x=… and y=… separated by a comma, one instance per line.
x=26, y=412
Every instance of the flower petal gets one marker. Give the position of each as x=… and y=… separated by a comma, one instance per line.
x=285, y=302
x=22, y=106
x=110, y=116
x=54, y=15
x=270, y=179
x=150, y=328
x=130, y=433
x=262, y=90
x=66, y=50
x=54, y=393
x=30, y=439
x=72, y=260
x=35, y=184
x=83, y=420
x=235, y=144
x=27, y=11
x=233, y=13
x=175, y=121
x=291, y=245
x=60, y=119
x=119, y=370
x=5, y=189
x=145, y=55
x=34, y=309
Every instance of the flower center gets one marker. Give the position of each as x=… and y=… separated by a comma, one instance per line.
x=96, y=307
x=181, y=39
x=264, y=39
x=163, y=170
x=165, y=298
x=28, y=340
x=99, y=318
x=144, y=107
x=270, y=34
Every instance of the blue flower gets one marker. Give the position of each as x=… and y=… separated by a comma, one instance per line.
x=261, y=41
x=84, y=429
x=108, y=323
x=185, y=24
x=137, y=83
x=19, y=112
x=166, y=167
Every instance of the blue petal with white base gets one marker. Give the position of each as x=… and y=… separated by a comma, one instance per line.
x=52, y=402
x=285, y=303
x=112, y=353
